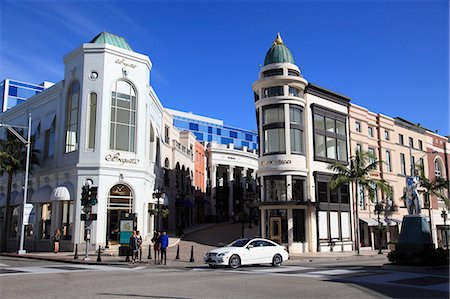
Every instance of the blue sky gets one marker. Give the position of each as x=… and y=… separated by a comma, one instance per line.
x=389, y=56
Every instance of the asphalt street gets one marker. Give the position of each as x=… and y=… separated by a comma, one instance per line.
x=25, y=278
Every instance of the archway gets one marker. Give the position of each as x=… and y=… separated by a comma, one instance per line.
x=120, y=198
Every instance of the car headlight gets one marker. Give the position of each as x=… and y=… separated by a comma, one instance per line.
x=223, y=253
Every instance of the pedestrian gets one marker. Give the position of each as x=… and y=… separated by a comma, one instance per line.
x=56, y=239
x=133, y=246
x=157, y=246
x=139, y=240
x=164, y=245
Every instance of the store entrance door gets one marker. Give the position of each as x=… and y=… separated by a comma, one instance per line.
x=120, y=199
x=275, y=229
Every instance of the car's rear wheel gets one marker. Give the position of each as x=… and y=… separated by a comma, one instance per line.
x=235, y=261
x=277, y=260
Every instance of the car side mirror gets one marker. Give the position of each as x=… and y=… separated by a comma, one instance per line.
x=250, y=246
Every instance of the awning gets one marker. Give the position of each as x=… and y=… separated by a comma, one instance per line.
x=383, y=222
x=62, y=192
x=48, y=121
x=43, y=195
x=18, y=200
x=34, y=127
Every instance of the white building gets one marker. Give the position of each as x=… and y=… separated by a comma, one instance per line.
x=302, y=127
x=101, y=123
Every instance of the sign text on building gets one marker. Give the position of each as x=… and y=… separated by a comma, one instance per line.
x=116, y=158
x=275, y=162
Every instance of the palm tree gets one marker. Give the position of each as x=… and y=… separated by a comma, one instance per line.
x=12, y=161
x=358, y=172
x=432, y=187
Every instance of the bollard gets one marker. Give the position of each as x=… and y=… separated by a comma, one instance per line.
x=99, y=258
x=149, y=252
x=192, y=254
x=178, y=252
x=75, y=257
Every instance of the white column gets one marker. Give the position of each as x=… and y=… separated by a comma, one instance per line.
x=311, y=229
x=213, y=183
x=230, y=181
x=290, y=227
x=262, y=224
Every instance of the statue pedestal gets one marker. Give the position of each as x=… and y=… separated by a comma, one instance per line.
x=415, y=237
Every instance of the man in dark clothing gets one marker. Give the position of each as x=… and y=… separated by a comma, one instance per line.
x=164, y=245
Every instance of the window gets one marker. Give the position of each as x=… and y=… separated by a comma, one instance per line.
x=67, y=220
x=273, y=91
x=402, y=164
x=330, y=140
x=92, y=119
x=370, y=131
x=358, y=126
x=73, y=101
x=209, y=130
x=49, y=141
x=256, y=96
x=437, y=168
x=275, y=188
x=411, y=142
x=166, y=134
x=293, y=73
x=358, y=147
x=193, y=127
x=273, y=128
x=275, y=72
x=298, y=187
x=400, y=139
x=293, y=92
x=233, y=134
x=372, y=153
x=225, y=140
x=219, y=131
x=249, y=137
x=166, y=172
x=123, y=117
x=298, y=217
x=210, y=138
x=362, y=203
x=198, y=135
x=244, y=143
x=388, y=161
x=386, y=135
x=296, y=128
x=420, y=145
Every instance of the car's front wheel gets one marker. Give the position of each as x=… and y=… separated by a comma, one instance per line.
x=235, y=261
x=277, y=260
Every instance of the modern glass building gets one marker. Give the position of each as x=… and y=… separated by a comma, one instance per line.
x=13, y=92
x=208, y=129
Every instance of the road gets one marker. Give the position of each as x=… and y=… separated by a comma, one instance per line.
x=23, y=278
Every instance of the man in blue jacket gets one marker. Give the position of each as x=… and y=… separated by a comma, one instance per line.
x=164, y=245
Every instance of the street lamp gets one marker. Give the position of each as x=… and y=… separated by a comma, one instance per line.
x=158, y=194
x=27, y=168
x=444, y=217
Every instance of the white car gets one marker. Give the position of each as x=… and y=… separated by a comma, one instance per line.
x=247, y=252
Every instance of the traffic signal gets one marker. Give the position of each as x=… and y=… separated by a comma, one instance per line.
x=93, y=196
x=84, y=195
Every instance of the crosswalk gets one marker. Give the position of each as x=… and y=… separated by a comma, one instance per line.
x=6, y=270
x=355, y=274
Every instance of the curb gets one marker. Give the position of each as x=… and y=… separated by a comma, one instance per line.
x=414, y=268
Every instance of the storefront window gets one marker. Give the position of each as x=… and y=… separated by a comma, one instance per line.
x=276, y=225
x=275, y=188
x=46, y=221
x=298, y=187
x=299, y=225
x=67, y=220
x=14, y=228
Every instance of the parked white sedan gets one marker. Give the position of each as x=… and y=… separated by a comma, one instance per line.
x=247, y=252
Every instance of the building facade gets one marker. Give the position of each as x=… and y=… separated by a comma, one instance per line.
x=208, y=129
x=302, y=128
x=100, y=124
x=14, y=92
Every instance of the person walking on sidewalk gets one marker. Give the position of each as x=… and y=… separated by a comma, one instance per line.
x=133, y=246
x=139, y=240
x=164, y=245
x=56, y=239
x=157, y=247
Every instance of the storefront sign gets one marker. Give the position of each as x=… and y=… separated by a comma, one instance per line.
x=275, y=162
x=116, y=158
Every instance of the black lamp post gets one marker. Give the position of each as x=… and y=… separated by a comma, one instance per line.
x=158, y=194
x=444, y=217
x=378, y=211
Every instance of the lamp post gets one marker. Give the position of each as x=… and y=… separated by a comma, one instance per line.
x=27, y=143
x=444, y=217
x=158, y=194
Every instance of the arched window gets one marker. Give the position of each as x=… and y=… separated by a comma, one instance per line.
x=92, y=119
x=120, y=198
x=73, y=102
x=166, y=172
x=152, y=145
x=438, y=168
x=123, y=117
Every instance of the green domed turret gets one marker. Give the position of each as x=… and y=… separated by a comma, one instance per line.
x=278, y=53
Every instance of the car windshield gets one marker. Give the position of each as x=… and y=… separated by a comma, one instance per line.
x=239, y=243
